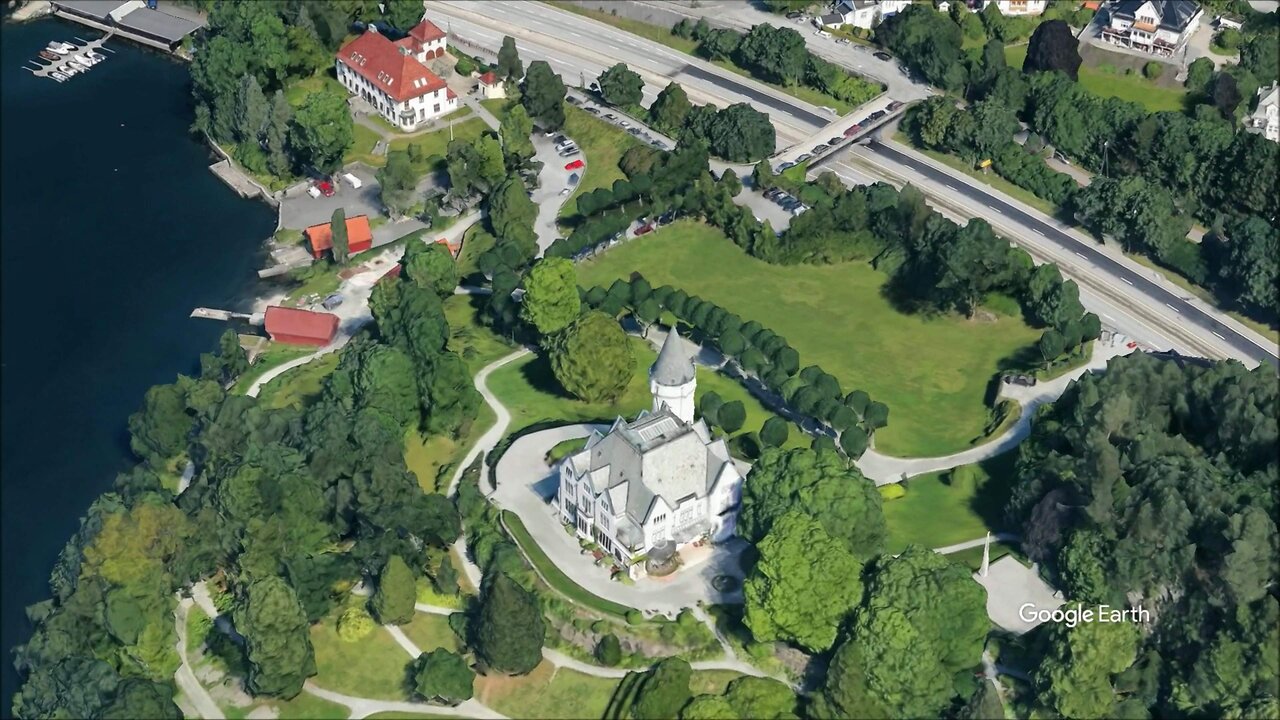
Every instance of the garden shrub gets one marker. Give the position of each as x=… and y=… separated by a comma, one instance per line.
x=354, y=624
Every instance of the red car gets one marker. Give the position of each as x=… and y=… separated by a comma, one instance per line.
x=643, y=229
x=326, y=188
x=575, y=165
x=853, y=130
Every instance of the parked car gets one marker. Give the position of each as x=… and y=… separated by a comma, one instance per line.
x=352, y=180
x=661, y=145
x=882, y=55
x=570, y=153
x=799, y=208
x=876, y=115
x=1061, y=158
x=313, y=191
x=822, y=33
x=565, y=191
x=835, y=141
x=1020, y=379
x=795, y=16
x=853, y=130
x=784, y=166
x=821, y=149
x=326, y=188
x=666, y=217
x=644, y=229
x=595, y=86
x=572, y=100
x=802, y=158
x=634, y=131
x=842, y=41
x=610, y=116
x=624, y=123
x=574, y=178
x=894, y=105
x=772, y=193
x=332, y=301
x=560, y=140
x=592, y=110
x=575, y=165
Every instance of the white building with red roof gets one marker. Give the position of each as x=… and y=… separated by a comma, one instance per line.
x=393, y=76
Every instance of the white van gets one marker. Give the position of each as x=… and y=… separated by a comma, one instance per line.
x=823, y=33
x=352, y=180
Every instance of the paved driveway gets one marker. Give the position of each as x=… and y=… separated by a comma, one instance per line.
x=525, y=486
x=299, y=210
x=551, y=181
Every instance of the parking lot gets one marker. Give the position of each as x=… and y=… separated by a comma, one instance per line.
x=299, y=210
x=634, y=127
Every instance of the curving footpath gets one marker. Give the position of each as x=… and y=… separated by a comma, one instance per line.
x=362, y=707
x=185, y=678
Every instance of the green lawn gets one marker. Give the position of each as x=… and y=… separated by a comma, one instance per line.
x=308, y=707
x=296, y=93
x=712, y=682
x=373, y=666
x=603, y=145
x=932, y=371
x=556, y=577
x=472, y=249
x=299, y=386
x=1109, y=82
x=431, y=142
x=274, y=354
x=429, y=631
x=433, y=459
x=934, y=514
x=547, y=692
x=364, y=138
x=427, y=593
x=530, y=391
x=565, y=448
x=477, y=344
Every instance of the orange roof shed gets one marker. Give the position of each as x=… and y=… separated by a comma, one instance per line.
x=359, y=236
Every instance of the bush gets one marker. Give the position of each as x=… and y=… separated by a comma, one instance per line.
x=1153, y=70
x=686, y=619
x=354, y=624
x=465, y=66
x=634, y=617
x=892, y=491
x=609, y=650
x=1227, y=39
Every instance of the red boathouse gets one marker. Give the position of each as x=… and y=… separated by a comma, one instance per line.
x=300, y=327
x=359, y=236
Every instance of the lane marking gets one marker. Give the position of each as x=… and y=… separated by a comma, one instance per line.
x=1173, y=308
x=1082, y=257
x=953, y=187
x=1126, y=282
x=1042, y=235
x=1217, y=335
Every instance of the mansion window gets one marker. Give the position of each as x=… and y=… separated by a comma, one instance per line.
x=659, y=519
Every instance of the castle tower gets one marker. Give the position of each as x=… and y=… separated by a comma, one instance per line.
x=672, y=378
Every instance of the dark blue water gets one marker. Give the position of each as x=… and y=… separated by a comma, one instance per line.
x=112, y=230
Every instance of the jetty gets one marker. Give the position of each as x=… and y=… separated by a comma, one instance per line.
x=46, y=68
x=227, y=315
x=140, y=21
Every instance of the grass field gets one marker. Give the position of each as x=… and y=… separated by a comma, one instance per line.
x=472, y=249
x=1109, y=82
x=712, y=682
x=932, y=372
x=299, y=386
x=547, y=692
x=429, y=631
x=373, y=666
x=364, y=138
x=530, y=391
x=935, y=514
x=556, y=577
x=477, y=344
x=274, y=354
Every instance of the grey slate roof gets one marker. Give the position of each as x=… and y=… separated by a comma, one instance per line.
x=674, y=365
x=656, y=455
x=157, y=23
x=1174, y=14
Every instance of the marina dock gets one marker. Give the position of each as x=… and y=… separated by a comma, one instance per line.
x=227, y=315
x=44, y=68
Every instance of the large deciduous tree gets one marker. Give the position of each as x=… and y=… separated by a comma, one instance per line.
x=397, y=181
x=514, y=132
x=668, y=111
x=1053, y=47
x=322, y=131
x=510, y=67
x=392, y=602
x=277, y=637
x=663, y=690
x=509, y=627
x=592, y=358
x=821, y=484
x=443, y=677
x=542, y=94
x=551, y=299
x=430, y=265
x=621, y=86
x=402, y=14
x=803, y=585
x=1075, y=677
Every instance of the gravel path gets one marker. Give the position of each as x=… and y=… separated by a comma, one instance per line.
x=185, y=678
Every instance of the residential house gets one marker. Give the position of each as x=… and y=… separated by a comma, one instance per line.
x=863, y=13
x=491, y=86
x=1265, y=119
x=656, y=483
x=1018, y=7
x=393, y=76
x=1159, y=27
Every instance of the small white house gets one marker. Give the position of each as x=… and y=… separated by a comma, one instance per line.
x=1019, y=7
x=655, y=483
x=491, y=86
x=865, y=14
x=1265, y=119
x=1159, y=27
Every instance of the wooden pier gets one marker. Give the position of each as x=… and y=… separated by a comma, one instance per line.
x=227, y=315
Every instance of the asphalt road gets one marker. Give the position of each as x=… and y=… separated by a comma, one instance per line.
x=1089, y=253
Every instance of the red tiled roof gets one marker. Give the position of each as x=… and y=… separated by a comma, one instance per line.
x=394, y=272
x=291, y=323
x=390, y=67
x=489, y=78
x=358, y=233
x=426, y=31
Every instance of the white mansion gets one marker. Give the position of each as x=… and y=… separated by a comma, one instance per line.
x=657, y=481
x=393, y=76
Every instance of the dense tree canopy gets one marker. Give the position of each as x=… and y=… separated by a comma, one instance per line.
x=803, y=585
x=509, y=627
x=322, y=131
x=820, y=484
x=663, y=690
x=444, y=677
x=1053, y=47
x=551, y=299
x=542, y=94
x=393, y=600
x=277, y=637
x=620, y=85
x=592, y=358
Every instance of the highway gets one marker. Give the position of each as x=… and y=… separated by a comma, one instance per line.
x=1155, y=314
x=1140, y=282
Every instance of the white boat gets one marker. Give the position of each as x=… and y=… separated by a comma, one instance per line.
x=68, y=69
x=96, y=57
x=58, y=76
x=82, y=61
x=57, y=45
